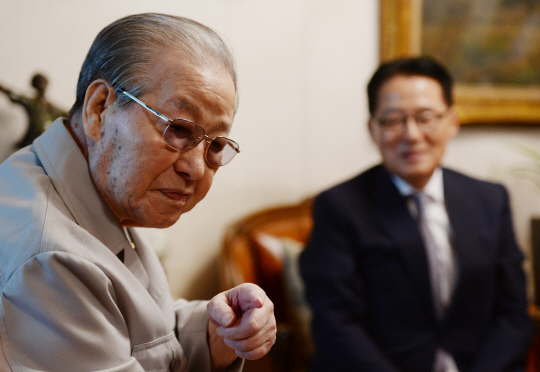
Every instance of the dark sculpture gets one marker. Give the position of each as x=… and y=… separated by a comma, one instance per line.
x=41, y=113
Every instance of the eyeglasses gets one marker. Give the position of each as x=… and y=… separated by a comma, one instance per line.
x=395, y=122
x=183, y=135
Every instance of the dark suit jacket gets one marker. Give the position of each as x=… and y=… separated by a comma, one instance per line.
x=367, y=280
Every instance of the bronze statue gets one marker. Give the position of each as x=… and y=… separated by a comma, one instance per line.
x=41, y=113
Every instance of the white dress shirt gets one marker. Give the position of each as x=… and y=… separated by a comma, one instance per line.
x=439, y=249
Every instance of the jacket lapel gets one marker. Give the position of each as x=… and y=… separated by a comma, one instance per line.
x=391, y=210
x=462, y=209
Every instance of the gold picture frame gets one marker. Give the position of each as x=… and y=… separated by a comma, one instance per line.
x=401, y=35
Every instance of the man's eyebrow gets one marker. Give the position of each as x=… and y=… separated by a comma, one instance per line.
x=182, y=104
x=393, y=110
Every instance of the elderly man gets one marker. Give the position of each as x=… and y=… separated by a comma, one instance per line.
x=411, y=266
x=81, y=290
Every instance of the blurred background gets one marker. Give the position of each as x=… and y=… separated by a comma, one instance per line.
x=303, y=67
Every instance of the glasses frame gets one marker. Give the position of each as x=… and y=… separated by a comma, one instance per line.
x=207, y=139
x=437, y=117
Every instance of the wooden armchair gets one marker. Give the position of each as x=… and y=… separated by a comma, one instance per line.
x=262, y=248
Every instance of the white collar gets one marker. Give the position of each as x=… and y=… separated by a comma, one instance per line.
x=434, y=187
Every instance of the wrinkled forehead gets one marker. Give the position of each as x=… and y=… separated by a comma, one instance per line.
x=205, y=92
x=176, y=68
x=191, y=60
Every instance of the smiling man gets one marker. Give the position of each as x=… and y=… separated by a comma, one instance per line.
x=81, y=290
x=412, y=267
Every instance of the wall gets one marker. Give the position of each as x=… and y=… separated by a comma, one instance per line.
x=303, y=66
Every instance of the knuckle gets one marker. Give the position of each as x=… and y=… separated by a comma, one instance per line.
x=238, y=345
x=271, y=341
x=241, y=345
x=252, y=326
x=251, y=330
x=270, y=304
x=250, y=355
x=220, y=332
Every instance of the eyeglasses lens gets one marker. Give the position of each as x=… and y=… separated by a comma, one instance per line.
x=221, y=151
x=184, y=135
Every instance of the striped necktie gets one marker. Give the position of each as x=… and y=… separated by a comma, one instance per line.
x=440, y=273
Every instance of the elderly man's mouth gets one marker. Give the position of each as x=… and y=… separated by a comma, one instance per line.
x=175, y=195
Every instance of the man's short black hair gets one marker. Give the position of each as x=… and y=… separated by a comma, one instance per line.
x=414, y=66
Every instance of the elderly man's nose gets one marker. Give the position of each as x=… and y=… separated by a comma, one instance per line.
x=191, y=163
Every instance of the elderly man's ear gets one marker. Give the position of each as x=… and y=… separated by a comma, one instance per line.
x=99, y=96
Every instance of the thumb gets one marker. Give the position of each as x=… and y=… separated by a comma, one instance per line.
x=227, y=319
x=220, y=312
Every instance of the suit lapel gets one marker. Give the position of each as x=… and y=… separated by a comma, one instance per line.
x=462, y=209
x=394, y=217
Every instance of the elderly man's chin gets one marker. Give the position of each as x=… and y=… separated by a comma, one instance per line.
x=150, y=216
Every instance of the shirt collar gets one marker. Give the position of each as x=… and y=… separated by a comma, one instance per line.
x=434, y=187
x=68, y=170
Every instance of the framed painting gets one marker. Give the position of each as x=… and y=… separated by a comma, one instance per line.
x=491, y=48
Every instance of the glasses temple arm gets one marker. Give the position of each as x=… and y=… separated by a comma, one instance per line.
x=146, y=106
